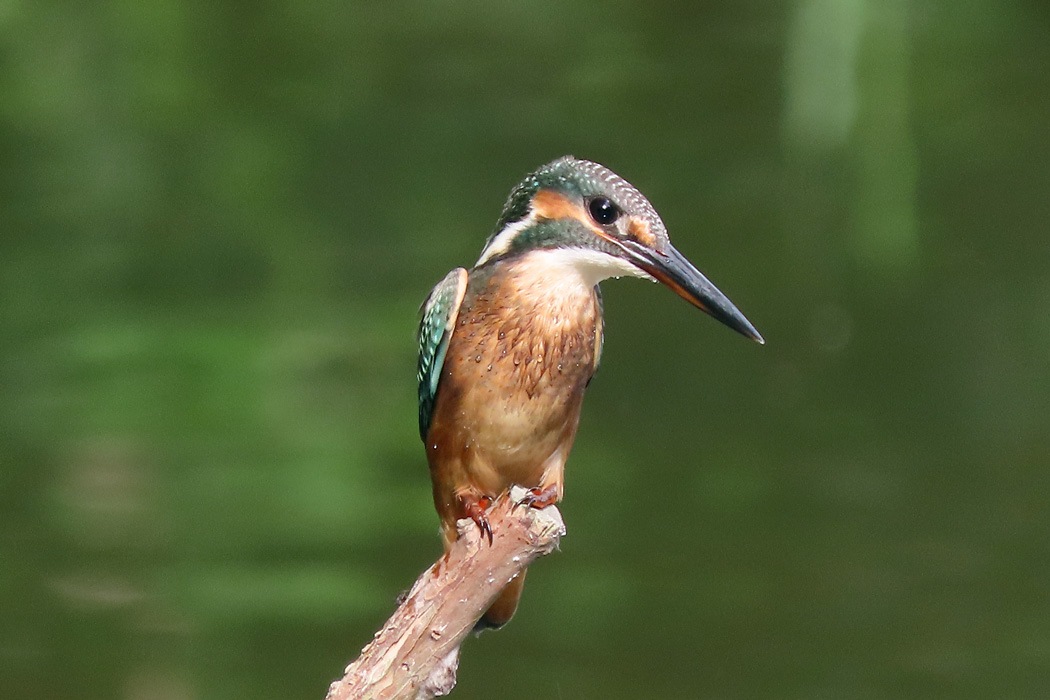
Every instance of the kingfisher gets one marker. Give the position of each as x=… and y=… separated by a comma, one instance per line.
x=507, y=348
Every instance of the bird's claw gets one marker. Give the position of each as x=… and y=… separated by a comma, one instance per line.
x=475, y=510
x=539, y=498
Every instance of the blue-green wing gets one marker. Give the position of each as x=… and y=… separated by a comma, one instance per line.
x=435, y=330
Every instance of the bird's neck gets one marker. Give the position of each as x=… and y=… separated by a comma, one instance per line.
x=566, y=271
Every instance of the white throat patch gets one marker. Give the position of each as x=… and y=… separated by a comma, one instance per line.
x=588, y=267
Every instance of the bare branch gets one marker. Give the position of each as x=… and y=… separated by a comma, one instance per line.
x=416, y=653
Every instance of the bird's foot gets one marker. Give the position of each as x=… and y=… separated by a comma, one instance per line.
x=541, y=497
x=474, y=508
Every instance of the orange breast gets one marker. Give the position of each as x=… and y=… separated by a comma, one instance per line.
x=519, y=359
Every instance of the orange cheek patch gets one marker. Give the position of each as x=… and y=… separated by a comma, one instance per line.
x=548, y=204
x=639, y=231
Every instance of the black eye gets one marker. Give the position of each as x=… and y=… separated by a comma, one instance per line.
x=603, y=211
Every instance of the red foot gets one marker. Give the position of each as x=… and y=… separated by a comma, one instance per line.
x=475, y=508
x=540, y=498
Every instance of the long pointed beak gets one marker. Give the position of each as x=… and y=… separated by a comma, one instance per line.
x=672, y=269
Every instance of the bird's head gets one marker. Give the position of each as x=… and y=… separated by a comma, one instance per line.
x=604, y=227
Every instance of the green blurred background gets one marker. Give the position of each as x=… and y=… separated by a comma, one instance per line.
x=217, y=221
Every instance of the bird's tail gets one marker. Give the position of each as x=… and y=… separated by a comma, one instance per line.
x=502, y=609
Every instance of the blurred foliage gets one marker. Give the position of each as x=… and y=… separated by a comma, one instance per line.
x=217, y=221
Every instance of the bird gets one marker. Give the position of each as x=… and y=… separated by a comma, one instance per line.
x=507, y=348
